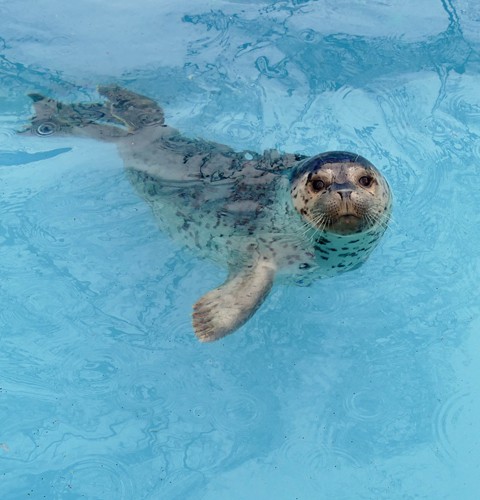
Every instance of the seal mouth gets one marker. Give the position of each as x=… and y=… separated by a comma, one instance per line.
x=348, y=218
x=347, y=224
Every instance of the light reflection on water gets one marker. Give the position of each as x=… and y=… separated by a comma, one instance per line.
x=359, y=387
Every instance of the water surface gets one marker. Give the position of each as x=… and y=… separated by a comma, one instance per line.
x=362, y=386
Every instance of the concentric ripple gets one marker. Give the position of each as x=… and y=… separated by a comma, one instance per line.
x=95, y=477
x=445, y=421
x=363, y=406
x=89, y=371
x=208, y=451
x=243, y=411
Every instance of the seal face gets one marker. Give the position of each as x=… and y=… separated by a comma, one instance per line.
x=265, y=218
x=341, y=193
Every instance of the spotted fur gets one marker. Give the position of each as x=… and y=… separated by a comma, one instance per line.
x=265, y=218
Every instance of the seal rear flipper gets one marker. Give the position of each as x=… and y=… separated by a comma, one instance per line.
x=226, y=308
x=134, y=110
x=85, y=119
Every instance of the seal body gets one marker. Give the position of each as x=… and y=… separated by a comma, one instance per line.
x=265, y=218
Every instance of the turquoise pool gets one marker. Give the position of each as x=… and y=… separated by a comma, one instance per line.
x=363, y=386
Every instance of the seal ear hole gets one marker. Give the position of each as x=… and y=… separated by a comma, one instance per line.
x=46, y=128
x=365, y=180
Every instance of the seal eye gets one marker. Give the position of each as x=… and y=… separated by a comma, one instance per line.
x=46, y=128
x=318, y=185
x=365, y=181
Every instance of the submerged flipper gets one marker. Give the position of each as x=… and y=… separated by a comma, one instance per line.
x=226, y=308
x=122, y=114
x=85, y=119
x=135, y=111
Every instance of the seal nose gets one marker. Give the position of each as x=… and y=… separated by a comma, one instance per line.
x=344, y=189
x=345, y=193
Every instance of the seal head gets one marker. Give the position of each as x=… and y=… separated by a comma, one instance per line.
x=340, y=192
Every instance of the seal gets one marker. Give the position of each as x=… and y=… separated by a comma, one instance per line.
x=267, y=218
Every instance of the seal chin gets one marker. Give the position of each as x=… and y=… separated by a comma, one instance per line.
x=346, y=224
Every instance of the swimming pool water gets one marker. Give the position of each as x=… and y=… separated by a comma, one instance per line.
x=364, y=386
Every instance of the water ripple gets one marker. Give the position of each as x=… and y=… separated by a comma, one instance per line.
x=237, y=129
x=319, y=457
x=89, y=370
x=364, y=406
x=95, y=477
x=277, y=70
x=208, y=451
x=308, y=36
x=217, y=23
x=243, y=411
x=445, y=421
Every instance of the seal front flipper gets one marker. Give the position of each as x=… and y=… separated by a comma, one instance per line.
x=226, y=308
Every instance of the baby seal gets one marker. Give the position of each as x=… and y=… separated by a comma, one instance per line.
x=265, y=218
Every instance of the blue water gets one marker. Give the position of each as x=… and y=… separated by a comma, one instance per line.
x=364, y=386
